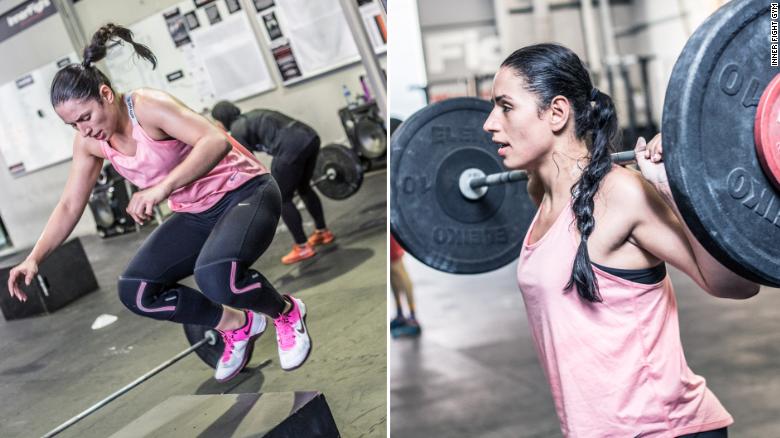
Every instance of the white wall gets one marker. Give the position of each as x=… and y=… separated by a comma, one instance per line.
x=26, y=202
x=406, y=69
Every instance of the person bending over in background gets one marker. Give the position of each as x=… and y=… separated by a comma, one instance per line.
x=294, y=146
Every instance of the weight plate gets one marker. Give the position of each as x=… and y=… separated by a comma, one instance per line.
x=208, y=353
x=428, y=215
x=394, y=124
x=708, y=120
x=349, y=172
x=372, y=138
x=767, y=131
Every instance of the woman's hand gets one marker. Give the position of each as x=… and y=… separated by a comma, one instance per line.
x=649, y=158
x=141, y=206
x=28, y=269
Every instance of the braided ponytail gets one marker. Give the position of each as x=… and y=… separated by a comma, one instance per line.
x=550, y=70
x=83, y=81
x=604, y=127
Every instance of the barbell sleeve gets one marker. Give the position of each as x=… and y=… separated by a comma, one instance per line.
x=493, y=179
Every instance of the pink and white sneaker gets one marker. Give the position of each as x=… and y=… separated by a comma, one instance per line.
x=291, y=336
x=238, y=346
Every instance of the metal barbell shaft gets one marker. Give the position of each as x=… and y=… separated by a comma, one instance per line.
x=206, y=339
x=329, y=175
x=520, y=175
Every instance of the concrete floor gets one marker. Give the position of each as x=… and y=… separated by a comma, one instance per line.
x=474, y=371
x=55, y=366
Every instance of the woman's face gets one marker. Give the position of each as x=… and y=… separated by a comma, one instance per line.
x=91, y=117
x=523, y=134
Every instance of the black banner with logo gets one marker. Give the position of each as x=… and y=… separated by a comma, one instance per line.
x=24, y=16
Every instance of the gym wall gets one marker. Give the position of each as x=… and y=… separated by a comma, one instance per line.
x=669, y=25
x=26, y=202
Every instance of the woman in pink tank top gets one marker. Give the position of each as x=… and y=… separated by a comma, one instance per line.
x=604, y=322
x=226, y=206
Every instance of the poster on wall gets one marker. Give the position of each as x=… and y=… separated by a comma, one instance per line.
x=221, y=59
x=311, y=38
x=233, y=6
x=261, y=5
x=285, y=62
x=374, y=22
x=177, y=27
x=272, y=26
x=32, y=136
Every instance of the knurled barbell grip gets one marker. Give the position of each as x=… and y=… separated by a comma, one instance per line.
x=493, y=179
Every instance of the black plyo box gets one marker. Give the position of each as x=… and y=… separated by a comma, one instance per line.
x=63, y=277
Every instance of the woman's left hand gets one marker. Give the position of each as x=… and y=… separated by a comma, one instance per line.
x=649, y=158
x=141, y=206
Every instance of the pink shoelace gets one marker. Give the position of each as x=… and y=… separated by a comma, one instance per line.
x=231, y=336
x=285, y=331
x=227, y=337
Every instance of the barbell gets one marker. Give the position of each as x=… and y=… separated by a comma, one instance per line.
x=338, y=173
x=454, y=209
x=208, y=343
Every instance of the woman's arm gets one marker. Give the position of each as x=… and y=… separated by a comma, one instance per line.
x=661, y=229
x=162, y=115
x=159, y=111
x=83, y=174
x=82, y=177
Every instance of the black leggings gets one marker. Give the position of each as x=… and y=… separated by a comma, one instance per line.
x=218, y=246
x=293, y=170
x=718, y=433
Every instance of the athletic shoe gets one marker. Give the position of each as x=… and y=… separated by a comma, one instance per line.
x=298, y=253
x=291, y=336
x=396, y=322
x=238, y=346
x=321, y=237
x=410, y=328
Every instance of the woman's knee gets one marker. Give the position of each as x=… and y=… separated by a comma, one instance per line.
x=146, y=298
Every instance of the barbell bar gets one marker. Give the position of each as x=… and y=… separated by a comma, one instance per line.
x=210, y=338
x=473, y=183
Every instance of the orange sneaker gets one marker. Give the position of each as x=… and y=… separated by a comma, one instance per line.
x=321, y=237
x=298, y=253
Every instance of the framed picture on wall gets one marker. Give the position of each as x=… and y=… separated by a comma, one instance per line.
x=233, y=6
x=177, y=28
x=213, y=13
x=272, y=26
x=191, y=18
x=261, y=5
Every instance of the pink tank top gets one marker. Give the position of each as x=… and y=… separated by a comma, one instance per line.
x=154, y=160
x=616, y=368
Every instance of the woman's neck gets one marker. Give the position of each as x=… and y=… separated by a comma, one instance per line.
x=561, y=169
x=124, y=127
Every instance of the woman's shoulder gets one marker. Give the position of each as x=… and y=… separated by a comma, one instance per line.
x=626, y=187
x=144, y=97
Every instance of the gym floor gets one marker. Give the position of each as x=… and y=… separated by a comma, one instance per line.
x=55, y=366
x=474, y=370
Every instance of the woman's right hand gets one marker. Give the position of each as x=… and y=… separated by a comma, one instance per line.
x=25, y=270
